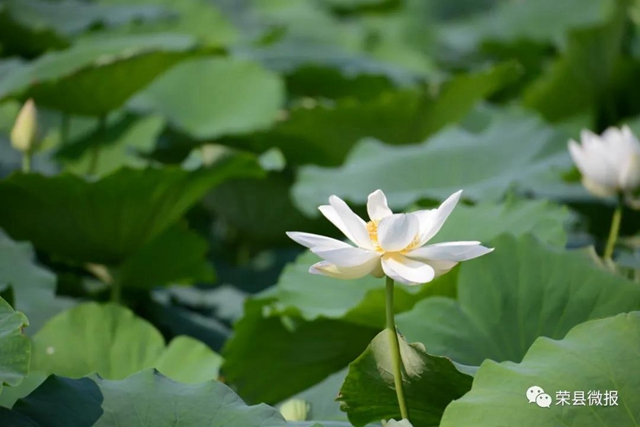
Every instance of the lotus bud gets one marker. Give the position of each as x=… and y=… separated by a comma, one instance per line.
x=24, y=135
x=402, y=423
x=295, y=410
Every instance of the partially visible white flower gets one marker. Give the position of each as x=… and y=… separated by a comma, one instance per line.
x=610, y=163
x=24, y=135
x=402, y=423
x=295, y=410
x=389, y=244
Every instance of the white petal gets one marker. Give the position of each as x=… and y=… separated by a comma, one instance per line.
x=597, y=189
x=310, y=241
x=352, y=227
x=377, y=207
x=432, y=221
x=345, y=257
x=356, y=225
x=441, y=267
x=397, y=231
x=630, y=173
x=630, y=142
x=618, y=145
x=600, y=161
x=578, y=155
x=327, y=269
x=593, y=164
x=450, y=251
x=407, y=271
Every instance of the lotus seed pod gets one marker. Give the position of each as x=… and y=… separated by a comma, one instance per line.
x=24, y=135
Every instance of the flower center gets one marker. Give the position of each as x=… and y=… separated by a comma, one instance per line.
x=372, y=228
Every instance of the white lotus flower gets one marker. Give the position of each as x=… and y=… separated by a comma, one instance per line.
x=401, y=423
x=610, y=163
x=389, y=244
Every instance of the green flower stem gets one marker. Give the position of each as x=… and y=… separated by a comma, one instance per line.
x=395, y=350
x=64, y=129
x=97, y=145
x=26, y=162
x=613, y=234
x=116, y=290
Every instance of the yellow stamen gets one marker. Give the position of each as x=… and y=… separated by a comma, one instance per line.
x=372, y=228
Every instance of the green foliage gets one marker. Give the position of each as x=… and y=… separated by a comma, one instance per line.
x=179, y=140
x=485, y=164
x=106, y=221
x=578, y=362
x=360, y=301
x=158, y=261
x=15, y=348
x=508, y=299
x=111, y=341
x=540, y=21
x=430, y=383
x=486, y=221
x=96, y=76
x=103, y=403
x=41, y=25
x=397, y=117
x=123, y=144
x=238, y=97
x=299, y=353
x=198, y=18
x=584, y=76
x=33, y=287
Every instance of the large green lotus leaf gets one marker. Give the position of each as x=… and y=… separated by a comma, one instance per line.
x=582, y=79
x=298, y=353
x=33, y=26
x=10, y=395
x=176, y=256
x=514, y=150
x=326, y=66
x=600, y=355
x=199, y=18
x=110, y=340
x=144, y=399
x=210, y=97
x=189, y=361
x=33, y=286
x=106, y=221
x=486, y=221
x=324, y=134
x=18, y=37
x=123, y=144
x=430, y=383
x=545, y=21
x=360, y=301
x=506, y=300
x=96, y=76
x=174, y=319
x=15, y=348
x=254, y=207
x=314, y=81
